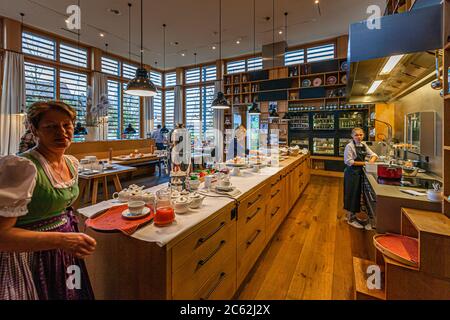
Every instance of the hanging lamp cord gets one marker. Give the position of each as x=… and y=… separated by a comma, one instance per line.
x=142, y=37
x=129, y=31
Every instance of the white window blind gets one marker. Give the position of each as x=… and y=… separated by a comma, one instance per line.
x=156, y=78
x=39, y=83
x=73, y=91
x=113, y=110
x=192, y=96
x=325, y=52
x=207, y=111
x=294, y=57
x=236, y=66
x=209, y=73
x=170, y=79
x=73, y=55
x=131, y=113
x=110, y=66
x=157, y=109
x=192, y=75
x=39, y=46
x=129, y=71
x=254, y=64
x=170, y=109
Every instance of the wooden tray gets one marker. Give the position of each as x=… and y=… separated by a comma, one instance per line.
x=399, y=248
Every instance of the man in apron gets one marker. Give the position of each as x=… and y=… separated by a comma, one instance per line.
x=354, y=157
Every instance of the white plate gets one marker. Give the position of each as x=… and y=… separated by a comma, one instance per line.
x=127, y=215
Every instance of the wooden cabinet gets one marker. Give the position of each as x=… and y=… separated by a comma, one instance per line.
x=251, y=231
x=202, y=257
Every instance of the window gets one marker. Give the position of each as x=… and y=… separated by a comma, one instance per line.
x=156, y=78
x=325, y=52
x=131, y=114
x=294, y=57
x=73, y=55
x=209, y=73
x=73, y=91
x=157, y=109
x=254, y=64
x=39, y=83
x=113, y=110
x=38, y=46
x=170, y=109
x=192, y=76
x=129, y=71
x=171, y=79
x=236, y=66
x=110, y=66
x=192, y=96
x=207, y=111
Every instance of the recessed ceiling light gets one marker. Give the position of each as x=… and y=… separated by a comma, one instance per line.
x=102, y=35
x=213, y=47
x=391, y=63
x=238, y=41
x=317, y=2
x=67, y=20
x=280, y=32
x=183, y=54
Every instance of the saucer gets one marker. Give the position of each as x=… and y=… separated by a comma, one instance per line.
x=127, y=215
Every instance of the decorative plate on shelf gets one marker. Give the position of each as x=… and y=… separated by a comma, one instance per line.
x=306, y=83
x=331, y=80
x=344, y=79
x=317, y=82
x=344, y=66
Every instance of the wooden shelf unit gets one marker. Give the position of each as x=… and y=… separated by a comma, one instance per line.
x=446, y=114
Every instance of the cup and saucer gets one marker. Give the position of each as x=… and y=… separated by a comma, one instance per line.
x=136, y=210
x=225, y=186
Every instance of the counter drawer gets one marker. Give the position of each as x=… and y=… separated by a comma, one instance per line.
x=274, y=217
x=249, y=250
x=198, y=243
x=248, y=221
x=222, y=284
x=254, y=200
x=204, y=264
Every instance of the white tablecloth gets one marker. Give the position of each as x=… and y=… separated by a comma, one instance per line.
x=163, y=235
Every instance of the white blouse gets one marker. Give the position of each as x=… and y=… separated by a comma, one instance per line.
x=18, y=179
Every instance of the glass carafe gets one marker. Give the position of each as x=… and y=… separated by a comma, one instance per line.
x=165, y=213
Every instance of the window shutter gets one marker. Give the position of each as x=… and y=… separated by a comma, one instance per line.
x=294, y=57
x=170, y=109
x=72, y=55
x=113, y=110
x=254, y=64
x=193, y=111
x=73, y=91
x=171, y=79
x=156, y=78
x=157, y=109
x=131, y=113
x=192, y=75
x=40, y=83
x=236, y=66
x=38, y=46
x=129, y=71
x=110, y=66
x=325, y=52
x=209, y=73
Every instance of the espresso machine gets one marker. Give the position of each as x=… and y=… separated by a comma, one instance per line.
x=180, y=157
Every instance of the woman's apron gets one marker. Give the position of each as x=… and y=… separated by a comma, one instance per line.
x=353, y=182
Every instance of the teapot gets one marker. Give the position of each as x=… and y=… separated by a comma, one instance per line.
x=196, y=200
x=123, y=196
x=181, y=204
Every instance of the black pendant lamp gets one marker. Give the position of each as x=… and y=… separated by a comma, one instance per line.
x=141, y=85
x=254, y=109
x=220, y=103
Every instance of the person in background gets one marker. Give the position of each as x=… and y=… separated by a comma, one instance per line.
x=27, y=141
x=354, y=157
x=41, y=244
x=158, y=136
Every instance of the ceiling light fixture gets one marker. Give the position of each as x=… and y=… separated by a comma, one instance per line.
x=280, y=32
x=183, y=54
x=238, y=41
x=374, y=86
x=318, y=7
x=220, y=103
x=102, y=35
x=391, y=63
x=213, y=47
x=141, y=85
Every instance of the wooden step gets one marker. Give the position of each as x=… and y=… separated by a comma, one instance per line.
x=362, y=292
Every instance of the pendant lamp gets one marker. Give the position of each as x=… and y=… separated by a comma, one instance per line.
x=141, y=85
x=220, y=103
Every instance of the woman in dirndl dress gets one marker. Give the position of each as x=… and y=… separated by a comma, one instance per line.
x=41, y=249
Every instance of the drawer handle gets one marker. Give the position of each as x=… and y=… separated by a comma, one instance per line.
x=203, y=240
x=276, y=211
x=219, y=281
x=249, y=242
x=202, y=262
x=253, y=215
x=276, y=182
x=275, y=194
x=300, y=175
x=256, y=200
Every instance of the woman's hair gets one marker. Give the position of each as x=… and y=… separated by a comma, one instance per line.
x=38, y=109
x=357, y=129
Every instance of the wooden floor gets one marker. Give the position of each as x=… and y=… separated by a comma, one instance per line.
x=310, y=256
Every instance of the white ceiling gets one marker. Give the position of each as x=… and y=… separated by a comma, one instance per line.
x=193, y=24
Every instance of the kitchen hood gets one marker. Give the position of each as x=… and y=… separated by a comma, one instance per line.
x=413, y=36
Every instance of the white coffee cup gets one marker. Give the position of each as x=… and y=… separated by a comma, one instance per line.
x=136, y=207
x=225, y=183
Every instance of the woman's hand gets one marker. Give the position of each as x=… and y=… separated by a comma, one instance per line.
x=79, y=244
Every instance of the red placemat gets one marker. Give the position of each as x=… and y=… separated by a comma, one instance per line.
x=112, y=220
x=400, y=248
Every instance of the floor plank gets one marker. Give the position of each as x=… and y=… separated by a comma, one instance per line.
x=311, y=254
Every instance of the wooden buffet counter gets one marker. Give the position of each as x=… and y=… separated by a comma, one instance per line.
x=207, y=260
